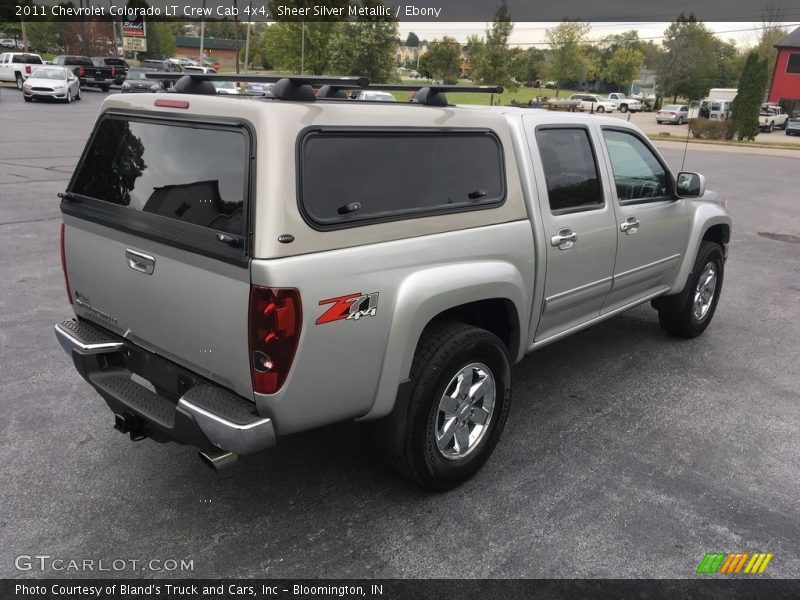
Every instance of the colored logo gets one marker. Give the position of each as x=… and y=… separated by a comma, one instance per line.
x=735, y=562
x=351, y=307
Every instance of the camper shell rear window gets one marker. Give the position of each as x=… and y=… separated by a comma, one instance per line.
x=167, y=177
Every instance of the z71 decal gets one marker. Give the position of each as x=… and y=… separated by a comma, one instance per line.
x=350, y=307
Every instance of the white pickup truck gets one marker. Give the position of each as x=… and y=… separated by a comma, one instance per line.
x=17, y=66
x=623, y=103
x=772, y=116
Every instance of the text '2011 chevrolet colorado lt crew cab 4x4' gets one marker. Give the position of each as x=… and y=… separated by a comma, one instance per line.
x=245, y=268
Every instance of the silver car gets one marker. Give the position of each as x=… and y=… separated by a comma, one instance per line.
x=57, y=83
x=673, y=113
x=793, y=126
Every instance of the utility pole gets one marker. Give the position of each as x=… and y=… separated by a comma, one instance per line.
x=236, y=27
x=247, y=42
x=203, y=35
x=303, y=49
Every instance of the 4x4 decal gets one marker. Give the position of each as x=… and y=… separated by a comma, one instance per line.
x=349, y=307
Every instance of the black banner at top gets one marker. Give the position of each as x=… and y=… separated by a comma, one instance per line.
x=400, y=10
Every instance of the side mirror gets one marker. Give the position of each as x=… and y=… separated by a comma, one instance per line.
x=690, y=185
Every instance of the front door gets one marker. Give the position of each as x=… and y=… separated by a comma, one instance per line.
x=578, y=223
x=652, y=223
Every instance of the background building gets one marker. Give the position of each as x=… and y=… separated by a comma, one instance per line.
x=785, y=86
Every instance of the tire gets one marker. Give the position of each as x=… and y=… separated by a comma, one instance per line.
x=78, y=95
x=785, y=124
x=600, y=109
x=657, y=121
x=688, y=314
x=445, y=351
x=27, y=99
x=20, y=80
x=105, y=88
x=623, y=108
x=69, y=97
x=771, y=127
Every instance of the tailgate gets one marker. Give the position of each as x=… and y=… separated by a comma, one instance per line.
x=155, y=240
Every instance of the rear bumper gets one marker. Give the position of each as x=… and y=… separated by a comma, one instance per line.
x=179, y=407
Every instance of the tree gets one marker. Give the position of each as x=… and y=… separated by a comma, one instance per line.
x=687, y=68
x=412, y=41
x=365, y=48
x=749, y=97
x=568, y=60
x=283, y=46
x=492, y=64
x=623, y=67
x=442, y=61
x=44, y=35
x=160, y=41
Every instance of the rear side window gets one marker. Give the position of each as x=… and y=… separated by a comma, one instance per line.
x=190, y=174
x=570, y=169
x=356, y=177
x=26, y=59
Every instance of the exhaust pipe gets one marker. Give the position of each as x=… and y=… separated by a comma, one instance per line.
x=218, y=461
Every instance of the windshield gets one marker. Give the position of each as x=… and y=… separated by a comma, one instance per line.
x=47, y=74
x=136, y=75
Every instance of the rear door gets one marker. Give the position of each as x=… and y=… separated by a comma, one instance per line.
x=156, y=239
x=579, y=226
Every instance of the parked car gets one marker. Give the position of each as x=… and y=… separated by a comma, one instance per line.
x=164, y=66
x=53, y=83
x=89, y=74
x=771, y=116
x=673, y=113
x=415, y=75
x=551, y=84
x=793, y=126
x=184, y=61
x=17, y=66
x=136, y=81
x=226, y=87
x=593, y=102
x=346, y=264
x=120, y=66
x=623, y=103
x=256, y=88
x=8, y=43
x=198, y=69
x=376, y=96
x=533, y=83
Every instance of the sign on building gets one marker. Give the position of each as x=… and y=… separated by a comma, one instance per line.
x=133, y=29
x=134, y=44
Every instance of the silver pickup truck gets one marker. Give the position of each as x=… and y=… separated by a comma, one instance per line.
x=241, y=269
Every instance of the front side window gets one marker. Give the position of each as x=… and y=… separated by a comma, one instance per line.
x=190, y=174
x=570, y=169
x=638, y=174
x=352, y=177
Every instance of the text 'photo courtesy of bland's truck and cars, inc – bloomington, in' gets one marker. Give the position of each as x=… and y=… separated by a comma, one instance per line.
x=443, y=307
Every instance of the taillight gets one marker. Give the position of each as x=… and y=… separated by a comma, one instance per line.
x=81, y=72
x=275, y=319
x=113, y=71
x=64, y=265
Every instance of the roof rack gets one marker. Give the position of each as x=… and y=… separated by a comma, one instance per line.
x=299, y=87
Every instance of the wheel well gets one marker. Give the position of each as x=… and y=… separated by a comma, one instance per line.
x=497, y=315
x=721, y=234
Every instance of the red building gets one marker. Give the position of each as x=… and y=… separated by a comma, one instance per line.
x=785, y=86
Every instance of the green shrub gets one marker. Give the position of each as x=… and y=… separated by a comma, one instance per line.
x=707, y=129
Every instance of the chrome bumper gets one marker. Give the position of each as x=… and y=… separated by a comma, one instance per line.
x=205, y=415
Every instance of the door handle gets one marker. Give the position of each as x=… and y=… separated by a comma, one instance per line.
x=630, y=225
x=564, y=239
x=140, y=262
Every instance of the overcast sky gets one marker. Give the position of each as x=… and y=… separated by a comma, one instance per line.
x=530, y=34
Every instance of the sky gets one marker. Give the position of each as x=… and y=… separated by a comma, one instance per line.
x=525, y=35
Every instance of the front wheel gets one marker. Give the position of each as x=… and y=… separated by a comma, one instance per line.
x=69, y=96
x=600, y=109
x=105, y=88
x=459, y=404
x=692, y=315
x=78, y=95
x=770, y=127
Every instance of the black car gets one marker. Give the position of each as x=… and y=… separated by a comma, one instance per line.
x=120, y=66
x=135, y=81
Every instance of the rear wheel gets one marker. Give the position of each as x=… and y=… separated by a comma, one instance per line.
x=459, y=404
x=690, y=316
x=600, y=109
x=771, y=127
x=20, y=80
x=105, y=88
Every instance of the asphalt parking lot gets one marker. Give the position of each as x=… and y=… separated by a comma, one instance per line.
x=626, y=454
